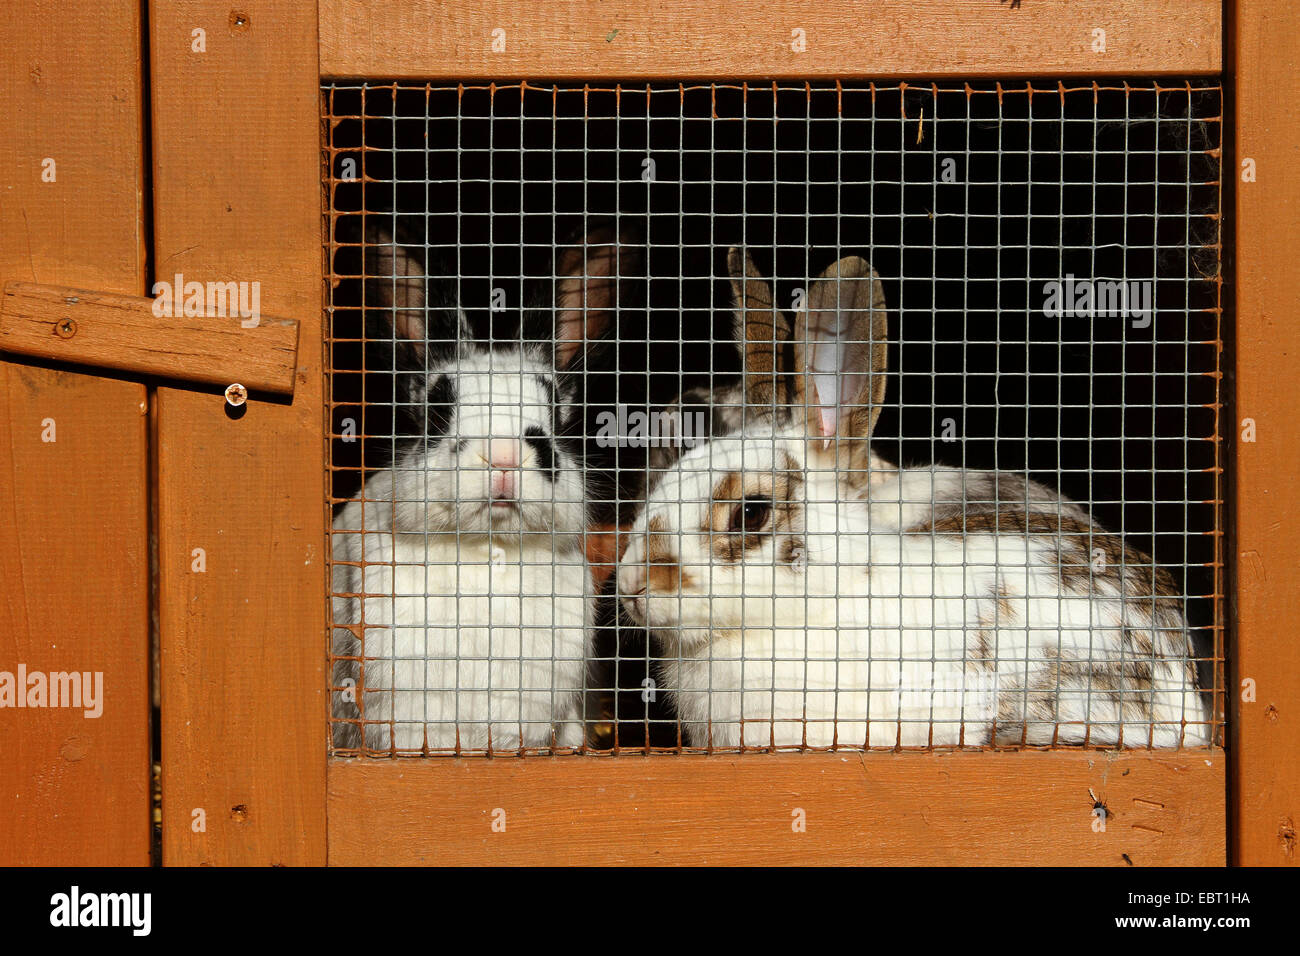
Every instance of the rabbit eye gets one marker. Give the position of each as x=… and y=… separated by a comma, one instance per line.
x=750, y=515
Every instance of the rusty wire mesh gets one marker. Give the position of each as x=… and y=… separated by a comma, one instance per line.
x=990, y=212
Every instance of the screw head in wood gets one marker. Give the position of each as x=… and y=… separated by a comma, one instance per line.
x=236, y=395
x=65, y=328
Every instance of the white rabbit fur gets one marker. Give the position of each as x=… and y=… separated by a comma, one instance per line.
x=883, y=606
x=476, y=617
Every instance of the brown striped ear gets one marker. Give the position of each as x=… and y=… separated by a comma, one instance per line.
x=841, y=344
x=760, y=330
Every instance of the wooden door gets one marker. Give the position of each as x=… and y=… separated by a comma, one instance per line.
x=74, y=525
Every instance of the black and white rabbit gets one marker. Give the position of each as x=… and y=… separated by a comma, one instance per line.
x=804, y=592
x=463, y=602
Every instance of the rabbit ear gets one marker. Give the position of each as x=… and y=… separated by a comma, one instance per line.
x=396, y=280
x=762, y=333
x=841, y=345
x=586, y=290
x=397, y=283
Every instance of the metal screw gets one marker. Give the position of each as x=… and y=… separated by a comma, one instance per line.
x=236, y=395
x=238, y=21
x=65, y=329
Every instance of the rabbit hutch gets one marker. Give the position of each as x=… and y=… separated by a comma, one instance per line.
x=449, y=433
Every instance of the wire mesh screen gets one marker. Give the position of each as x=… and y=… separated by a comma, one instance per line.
x=774, y=417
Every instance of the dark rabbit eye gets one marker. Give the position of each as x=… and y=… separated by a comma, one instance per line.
x=750, y=515
x=439, y=404
x=545, y=449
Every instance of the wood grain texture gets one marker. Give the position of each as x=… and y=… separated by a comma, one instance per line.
x=74, y=790
x=237, y=192
x=121, y=332
x=734, y=39
x=1266, y=522
x=903, y=809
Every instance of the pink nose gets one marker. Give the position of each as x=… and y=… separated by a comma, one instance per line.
x=503, y=457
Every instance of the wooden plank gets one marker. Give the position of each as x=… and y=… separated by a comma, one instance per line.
x=734, y=39
x=1027, y=808
x=1264, y=689
x=237, y=192
x=73, y=510
x=123, y=332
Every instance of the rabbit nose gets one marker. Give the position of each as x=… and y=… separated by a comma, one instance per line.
x=503, y=459
x=632, y=584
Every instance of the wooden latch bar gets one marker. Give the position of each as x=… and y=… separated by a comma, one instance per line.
x=127, y=333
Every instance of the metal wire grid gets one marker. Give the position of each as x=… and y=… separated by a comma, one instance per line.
x=1123, y=417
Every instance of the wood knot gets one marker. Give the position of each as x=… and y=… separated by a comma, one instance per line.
x=1286, y=837
x=73, y=749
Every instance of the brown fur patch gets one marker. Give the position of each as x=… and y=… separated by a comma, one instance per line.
x=1002, y=522
x=780, y=487
x=663, y=570
x=1002, y=613
x=1149, y=593
x=1002, y=597
x=727, y=492
x=983, y=650
x=791, y=549
x=662, y=564
x=1125, y=569
x=1125, y=685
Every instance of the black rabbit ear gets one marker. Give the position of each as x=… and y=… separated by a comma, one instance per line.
x=397, y=292
x=588, y=275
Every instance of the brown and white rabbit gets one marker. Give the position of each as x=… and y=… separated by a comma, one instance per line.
x=463, y=600
x=804, y=592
